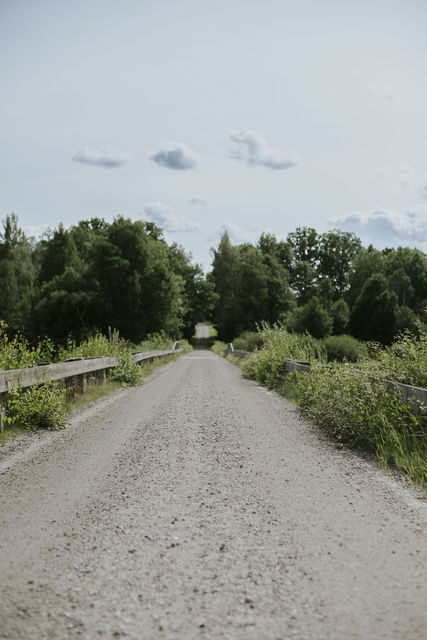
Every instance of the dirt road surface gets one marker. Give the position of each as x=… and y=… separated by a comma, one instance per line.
x=201, y=506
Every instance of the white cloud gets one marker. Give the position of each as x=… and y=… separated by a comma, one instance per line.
x=166, y=218
x=252, y=149
x=200, y=201
x=380, y=174
x=406, y=178
x=108, y=158
x=382, y=91
x=237, y=235
x=422, y=187
x=387, y=227
x=175, y=155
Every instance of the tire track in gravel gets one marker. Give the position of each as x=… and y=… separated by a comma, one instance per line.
x=201, y=506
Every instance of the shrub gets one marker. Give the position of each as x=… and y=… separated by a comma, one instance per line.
x=343, y=348
x=41, y=407
x=248, y=341
x=352, y=402
x=16, y=353
x=127, y=373
x=358, y=409
x=219, y=347
x=96, y=345
x=404, y=361
x=267, y=364
x=312, y=317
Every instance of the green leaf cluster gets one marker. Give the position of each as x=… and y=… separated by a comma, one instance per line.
x=38, y=407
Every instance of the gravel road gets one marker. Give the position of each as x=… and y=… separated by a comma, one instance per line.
x=201, y=506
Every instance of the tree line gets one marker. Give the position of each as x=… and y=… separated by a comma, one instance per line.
x=124, y=275
x=96, y=275
x=319, y=283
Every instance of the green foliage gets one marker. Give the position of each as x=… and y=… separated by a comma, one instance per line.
x=219, y=347
x=374, y=313
x=352, y=402
x=267, y=364
x=248, y=341
x=17, y=274
x=371, y=294
x=344, y=348
x=93, y=275
x=340, y=313
x=251, y=286
x=38, y=407
x=404, y=361
x=311, y=318
x=17, y=353
x=156, y=341
x=357, y=409
x=127, y=373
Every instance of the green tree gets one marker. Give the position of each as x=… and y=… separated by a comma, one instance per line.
x=374, y=314
x=336, y=252
x=340, y=313
x=313, y=318
x=225, y=278
x=17, y=274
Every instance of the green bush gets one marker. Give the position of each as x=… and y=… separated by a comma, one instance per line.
x=96, y=346
x=17, y=353
x=127, y=373
x=343, y=348
x=41, y=407
x=248, y=341
x=311, y=317
x=267, y=364
x=219, y=347
x=404, y=361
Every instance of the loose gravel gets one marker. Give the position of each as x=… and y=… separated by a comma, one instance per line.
x=201, y=506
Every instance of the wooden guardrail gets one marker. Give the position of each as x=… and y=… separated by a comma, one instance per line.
x=27, y=377
x=78, y=368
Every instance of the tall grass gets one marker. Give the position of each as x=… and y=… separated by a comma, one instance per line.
x=352, y=402
x=358, y=409
x=267, y=364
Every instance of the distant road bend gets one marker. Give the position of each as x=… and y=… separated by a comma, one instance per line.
x=201, y=506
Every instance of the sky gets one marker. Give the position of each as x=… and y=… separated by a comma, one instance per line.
x=248, y=116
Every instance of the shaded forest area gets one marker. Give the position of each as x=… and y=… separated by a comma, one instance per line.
x=123, y=275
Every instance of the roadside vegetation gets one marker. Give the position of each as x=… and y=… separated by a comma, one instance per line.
x=350, y=398
x=48, y=405
x=320, y=298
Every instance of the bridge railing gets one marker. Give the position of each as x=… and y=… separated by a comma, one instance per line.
x=415, y=396
x=77, y=368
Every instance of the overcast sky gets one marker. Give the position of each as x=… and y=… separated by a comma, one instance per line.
x=200, y=115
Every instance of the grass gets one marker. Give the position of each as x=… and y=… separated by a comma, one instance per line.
x=219, y=347
x=93, y=392
x=213, y=333
x=11, y=433
x=351, y=402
